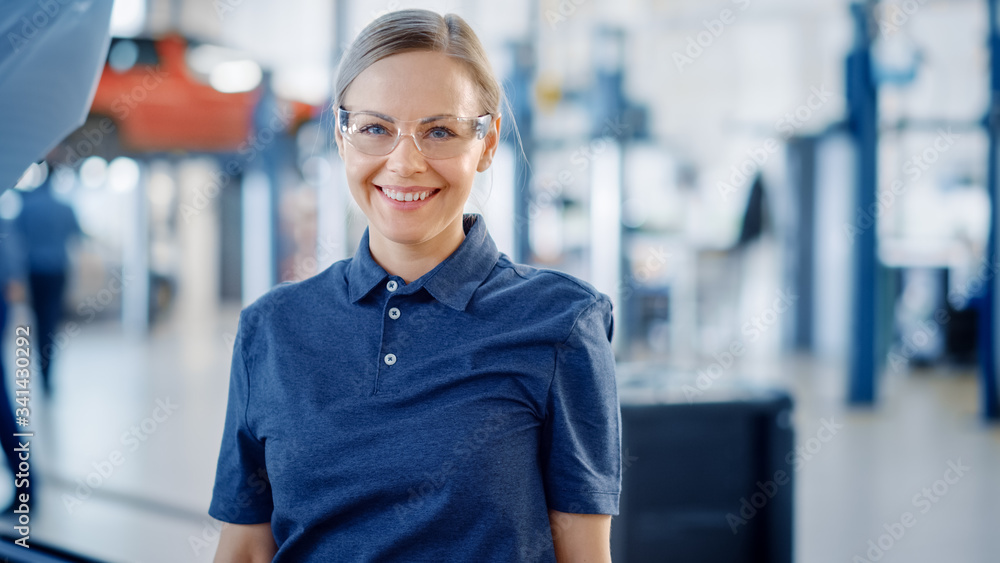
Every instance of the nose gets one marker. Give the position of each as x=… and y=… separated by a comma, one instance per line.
x=405, y=159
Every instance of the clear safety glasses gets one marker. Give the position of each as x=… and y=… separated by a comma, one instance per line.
x=435, y=137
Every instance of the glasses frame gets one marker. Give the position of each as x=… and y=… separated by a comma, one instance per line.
x=481, y=121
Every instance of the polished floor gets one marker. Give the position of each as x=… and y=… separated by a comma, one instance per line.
x=124, y=453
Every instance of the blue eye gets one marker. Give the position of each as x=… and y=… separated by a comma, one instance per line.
x=440, y=134
x=373, y=129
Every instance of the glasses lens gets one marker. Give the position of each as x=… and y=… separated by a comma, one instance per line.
x=444, y=137
x=368, y=133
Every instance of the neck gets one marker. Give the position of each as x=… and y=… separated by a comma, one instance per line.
x=410, y=261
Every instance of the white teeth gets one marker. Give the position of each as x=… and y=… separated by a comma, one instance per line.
x=409, y=196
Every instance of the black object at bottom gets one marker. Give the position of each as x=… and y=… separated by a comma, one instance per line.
x=706, y=482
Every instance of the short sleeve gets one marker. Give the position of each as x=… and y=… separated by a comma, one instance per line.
x=242, y=492
x=581, y=437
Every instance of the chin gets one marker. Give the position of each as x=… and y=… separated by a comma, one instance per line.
x=404, y=231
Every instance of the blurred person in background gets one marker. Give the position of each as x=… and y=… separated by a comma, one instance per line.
x=45, y=226
x=427, y=399
x=12, y=271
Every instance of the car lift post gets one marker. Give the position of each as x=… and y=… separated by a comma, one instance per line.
x=987, y=313
x=862, y=100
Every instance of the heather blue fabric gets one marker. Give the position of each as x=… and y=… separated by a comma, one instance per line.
x=500, y=405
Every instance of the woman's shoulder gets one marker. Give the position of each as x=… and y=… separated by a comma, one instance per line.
x=297, y=296
x=551, y=284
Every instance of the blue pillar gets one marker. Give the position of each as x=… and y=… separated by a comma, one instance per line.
x=987, y=311
x=520, y=96
x=269, y=136
x=862, y=100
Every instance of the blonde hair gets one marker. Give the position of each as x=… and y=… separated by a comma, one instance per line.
x=421, y=30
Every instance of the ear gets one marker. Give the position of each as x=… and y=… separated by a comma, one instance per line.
x=492, y=141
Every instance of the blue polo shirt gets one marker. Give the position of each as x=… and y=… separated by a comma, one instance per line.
x=374, y=420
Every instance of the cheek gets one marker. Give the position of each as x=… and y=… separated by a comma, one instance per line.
x=463, y=170
x=358, y=170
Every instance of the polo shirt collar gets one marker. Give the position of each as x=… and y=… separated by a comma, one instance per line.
x=451, y=282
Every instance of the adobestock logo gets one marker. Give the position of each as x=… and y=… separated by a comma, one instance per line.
x=548, y=192
x=203, y=196
x=30, y=26
x=896, y=16
x=656, y=259
x=751, y=505
x=714, y=28
x=564, y=10
x=223, y=7
x=104, y=469
x=786, y=126
x=259, y=481
x=924, y=500
x=89, y=308
x=752, y=330
x=122, y=106
x=914, y=168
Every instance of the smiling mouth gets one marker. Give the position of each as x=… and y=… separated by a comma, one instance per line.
x=407, y=196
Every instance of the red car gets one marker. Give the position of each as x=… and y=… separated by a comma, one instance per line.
x=158, y=104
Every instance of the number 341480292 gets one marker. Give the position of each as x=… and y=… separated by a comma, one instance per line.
x=22, y=361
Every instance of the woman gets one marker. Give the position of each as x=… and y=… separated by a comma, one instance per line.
x=427, y=399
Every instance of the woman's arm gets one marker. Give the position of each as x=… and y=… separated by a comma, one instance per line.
x=581, y=538
x=246, y=543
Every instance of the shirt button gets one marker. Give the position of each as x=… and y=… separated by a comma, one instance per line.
x=392, y=285
x=390, y=359
x=394, y=313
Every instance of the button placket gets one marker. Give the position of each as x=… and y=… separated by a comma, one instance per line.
x=389, y=358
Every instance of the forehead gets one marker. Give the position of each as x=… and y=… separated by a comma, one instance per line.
x=413, y=85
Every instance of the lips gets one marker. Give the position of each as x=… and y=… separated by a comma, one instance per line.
x=401, y=195
x=407, y=195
